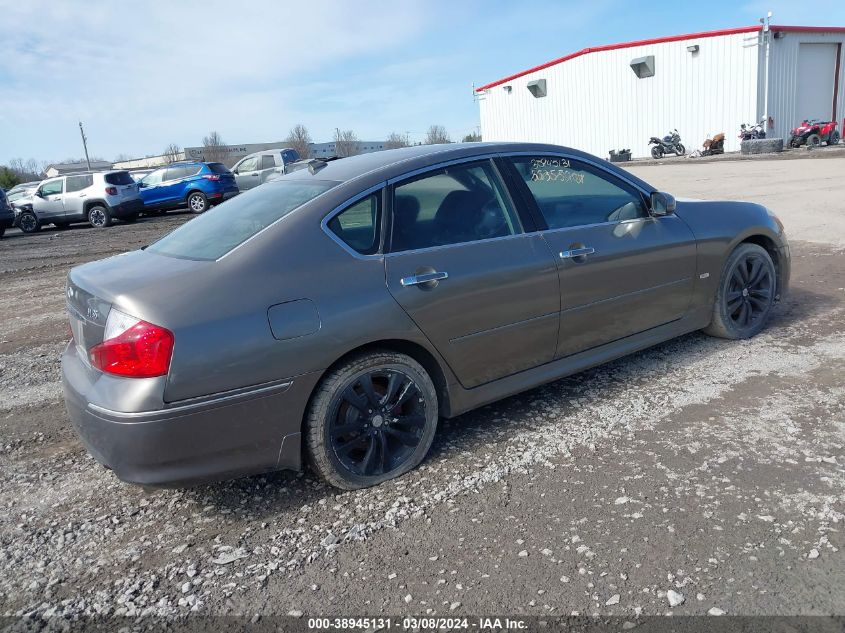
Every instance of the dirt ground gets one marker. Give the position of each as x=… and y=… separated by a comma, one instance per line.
x=698, y=476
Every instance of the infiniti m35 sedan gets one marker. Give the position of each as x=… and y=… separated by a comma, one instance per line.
x=333, y=316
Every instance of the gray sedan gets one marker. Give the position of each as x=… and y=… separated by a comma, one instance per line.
x=336, y=314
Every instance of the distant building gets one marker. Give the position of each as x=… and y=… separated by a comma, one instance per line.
x=149, y=161
x=60, y=169
x=619, y=95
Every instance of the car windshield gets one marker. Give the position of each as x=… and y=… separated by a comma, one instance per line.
x=218, y=231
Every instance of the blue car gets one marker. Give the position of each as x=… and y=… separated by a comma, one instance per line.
x=192, y=184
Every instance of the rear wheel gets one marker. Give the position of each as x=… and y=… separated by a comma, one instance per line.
x=371, y=419
x=814, y=140
x=834, y=138
x=197, y=202
x=99, y=216
x=28, y=222
x=745, y=294
x=657, y=152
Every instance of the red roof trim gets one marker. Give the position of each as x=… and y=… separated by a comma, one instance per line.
x=661, y=40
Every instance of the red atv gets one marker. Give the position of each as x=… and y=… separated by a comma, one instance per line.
x=813, y=133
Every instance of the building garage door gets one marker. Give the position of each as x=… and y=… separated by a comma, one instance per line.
x=816, y=80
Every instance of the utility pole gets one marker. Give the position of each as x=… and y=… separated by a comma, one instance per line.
x=85, y=145
x=766, y=39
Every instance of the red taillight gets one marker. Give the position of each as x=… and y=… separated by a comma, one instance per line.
x=211, y=176
x=112, y=191
x=135, y=349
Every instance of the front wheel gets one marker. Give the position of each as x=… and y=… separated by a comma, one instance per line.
x=371, y=419
x=834, y=138
x=814, y=140
x=657, y=152
x=745, y=295
x=197, y=202
x=28, y=222
x=99, y=216
x=680, y=149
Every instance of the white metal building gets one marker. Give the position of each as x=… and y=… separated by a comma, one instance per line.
x=620, y=95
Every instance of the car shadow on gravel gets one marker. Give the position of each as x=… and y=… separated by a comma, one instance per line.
x=494, y=425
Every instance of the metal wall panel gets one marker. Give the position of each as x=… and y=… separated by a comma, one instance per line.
x=596, y=103
x=783, y=79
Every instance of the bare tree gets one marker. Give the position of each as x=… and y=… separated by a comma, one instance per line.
x=396, y=140
x=26, y=170
x=214, y=148
x=300, y=140
x=436, y=135
x=346, y=143
x=472, y=137
x=172, y=153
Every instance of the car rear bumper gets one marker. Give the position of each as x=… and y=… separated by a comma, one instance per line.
x=200, y=441
x=220, y=196
x=125, y=209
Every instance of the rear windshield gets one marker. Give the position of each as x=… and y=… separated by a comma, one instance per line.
x=218, y=168
x=119, y=178
x=218, y=231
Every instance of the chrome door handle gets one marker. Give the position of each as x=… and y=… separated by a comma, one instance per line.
x=577, y=252
x=423, y=278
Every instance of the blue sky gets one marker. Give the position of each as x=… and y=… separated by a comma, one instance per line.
x=141, y=75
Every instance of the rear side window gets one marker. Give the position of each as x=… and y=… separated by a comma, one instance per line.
x=290, y=156
x=267, y=162
x=357, y=226
x=218, y=168
x=119, y=178
x=458, y=204
x=219, y=230
x=78, y=183
x=570, y=193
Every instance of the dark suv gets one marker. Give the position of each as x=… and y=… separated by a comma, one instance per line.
x=7, y=216
x=194, y=184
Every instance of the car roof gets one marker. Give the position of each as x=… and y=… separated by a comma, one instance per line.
x=391, y=163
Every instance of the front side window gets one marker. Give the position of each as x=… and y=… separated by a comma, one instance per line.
x=267, y=162
x=249, y=164
x=153, y=178
x=52, y=188
x=358, y=225
x=571, y=193
x=464, y=203
x=222, y=228
x=78, y=183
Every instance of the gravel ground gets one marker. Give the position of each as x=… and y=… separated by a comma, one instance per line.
x=698, y=476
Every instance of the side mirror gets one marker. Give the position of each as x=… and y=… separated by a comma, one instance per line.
x=38, y=193
x=141, y=184
x=662, y=204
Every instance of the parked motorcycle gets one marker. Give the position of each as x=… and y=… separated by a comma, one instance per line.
x=669, y=144
x=752, y=132
x=813, y=133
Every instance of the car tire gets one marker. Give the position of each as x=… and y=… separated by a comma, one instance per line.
x=656, y=152
x=131, y=218
x=814, y=140
x=197, y=202
x=745, y=295
x=354, y=440
x=28, y=222
x=99, y=216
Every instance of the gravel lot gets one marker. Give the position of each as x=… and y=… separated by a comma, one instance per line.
x=699, y=476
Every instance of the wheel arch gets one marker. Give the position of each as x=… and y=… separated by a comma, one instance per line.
x=771, y=247
x=192, y=191
x=90, y=203
x=416, y=351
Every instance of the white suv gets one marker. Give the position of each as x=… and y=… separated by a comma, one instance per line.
x=96, y=198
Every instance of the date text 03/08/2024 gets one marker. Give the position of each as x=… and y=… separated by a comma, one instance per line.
x=418, y=623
